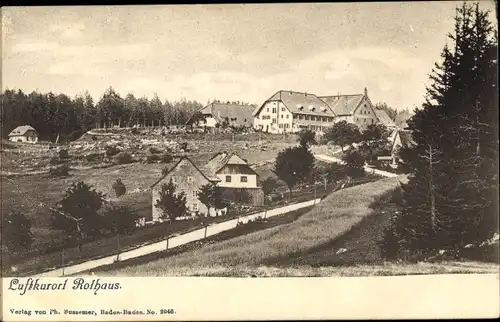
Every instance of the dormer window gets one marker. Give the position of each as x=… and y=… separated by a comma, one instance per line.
x=324, y=109
x=311, y=107
x=300, y=107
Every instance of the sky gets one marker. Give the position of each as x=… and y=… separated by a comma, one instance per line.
x=237, y=52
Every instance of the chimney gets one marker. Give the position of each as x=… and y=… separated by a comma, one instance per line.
x=366, y=92
x=305, y=94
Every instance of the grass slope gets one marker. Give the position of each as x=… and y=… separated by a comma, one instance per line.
x=336, y=215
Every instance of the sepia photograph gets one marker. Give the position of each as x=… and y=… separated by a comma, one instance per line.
x=351, y=139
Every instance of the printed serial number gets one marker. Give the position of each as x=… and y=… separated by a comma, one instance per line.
x=167, y=311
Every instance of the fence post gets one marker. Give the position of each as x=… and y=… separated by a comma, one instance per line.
x=206, y=227
x=167, y=242
x=62, y=258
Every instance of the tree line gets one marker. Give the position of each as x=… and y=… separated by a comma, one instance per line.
x=58, y=115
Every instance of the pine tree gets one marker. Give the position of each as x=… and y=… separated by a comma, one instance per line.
x=448, y=202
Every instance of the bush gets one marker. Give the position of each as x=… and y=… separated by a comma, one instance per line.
x=153, y=158
x=183, y=146
x=94, y=138
x=165, y=171
x=63, y=154
x=154, y=150
x=54, y=161
x=123, y=158
x=59, y=171
x=166, y=158
x=93, y=157
x=119, y=188
x=134, y=131
x=112, y=150
x=355, y=162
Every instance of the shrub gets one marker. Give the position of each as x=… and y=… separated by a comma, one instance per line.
x=165, y=171
x=93, y=157
x=63, y=154
x=54, y=161
x=355, y=162
x=112, y=150
x=154, y=150
x=134, y=131
x=183, y=146
x=166, y=158
x=123, y=158
x=153, y=158
x=59, y=171
x=119, y=188
x=94, y=138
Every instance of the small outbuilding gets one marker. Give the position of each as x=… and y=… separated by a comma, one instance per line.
x=24, y=133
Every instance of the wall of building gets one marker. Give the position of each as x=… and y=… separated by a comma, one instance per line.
x=266, y=120
x=235, y=181
x=364, y=114
x=210, y=121
x=186, y=178
x=27, y=138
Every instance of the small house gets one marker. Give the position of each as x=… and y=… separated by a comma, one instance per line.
x=24, y=133
x=229, y=172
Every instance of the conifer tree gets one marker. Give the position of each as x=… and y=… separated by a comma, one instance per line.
x=448, y=202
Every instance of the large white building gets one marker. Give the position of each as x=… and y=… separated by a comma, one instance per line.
x=289, y=111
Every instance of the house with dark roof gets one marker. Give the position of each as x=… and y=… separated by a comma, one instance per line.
x=385, y=119
x=228, y=171
x=399, y=139
x=238, y=115
x=24, y=133
x=289, y=111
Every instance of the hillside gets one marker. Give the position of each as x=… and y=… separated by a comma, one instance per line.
x=334, y=216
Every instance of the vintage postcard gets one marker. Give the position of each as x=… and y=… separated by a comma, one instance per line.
x=250, y=161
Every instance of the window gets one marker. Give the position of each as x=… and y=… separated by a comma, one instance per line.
x=189, y=179
x=282, y=109
x=228, y=178
x=243, y=178
x=194, y=193
x=194, y=206
x=274, y=109
x=281, y=115
x=364, y=120
x=274, y=120
x=287, y=115
x=372, y=121
x=281, y=126
x=368, y=112
x=267, y=109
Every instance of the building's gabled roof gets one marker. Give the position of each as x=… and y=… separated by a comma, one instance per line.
x=235, y=113
x=406, y=138
x=343, y=104
x=384, y=118
x=299, y=102
x=171, y=169
x=220, y=160
x=21, y=130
